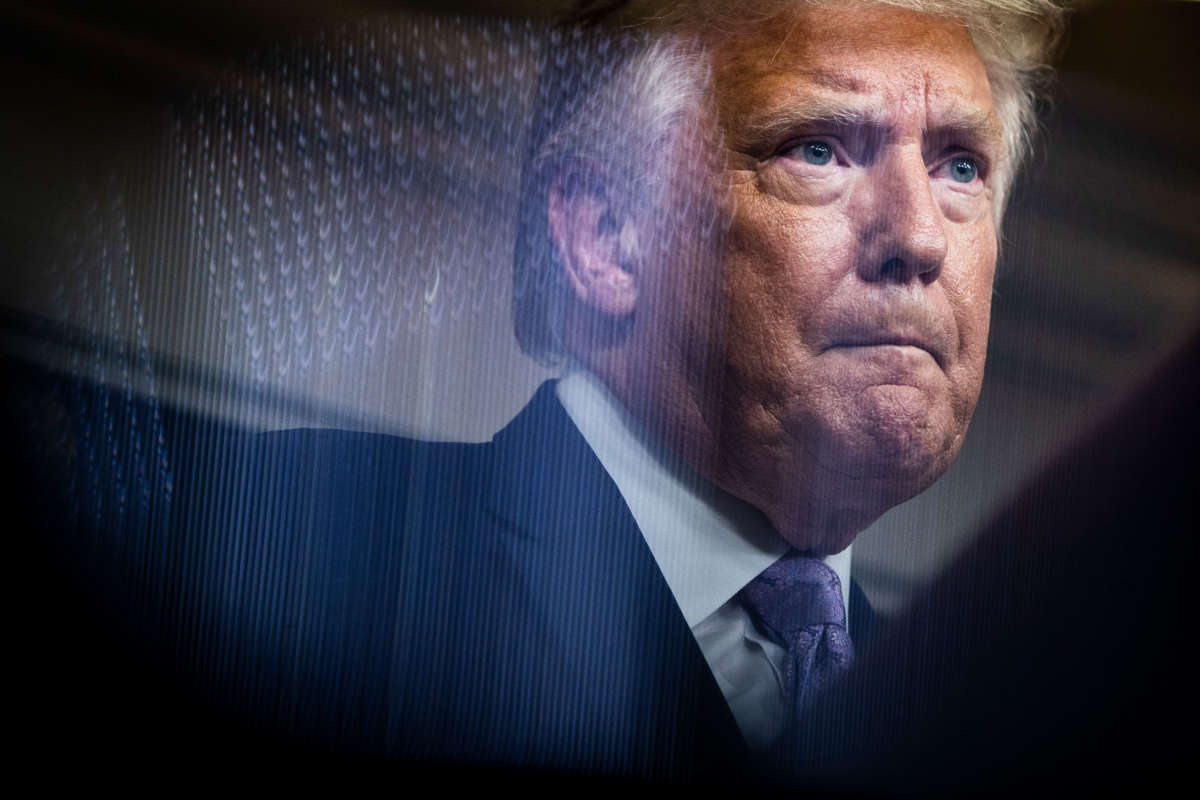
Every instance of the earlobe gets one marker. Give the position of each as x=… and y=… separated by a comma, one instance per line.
x=596, y=245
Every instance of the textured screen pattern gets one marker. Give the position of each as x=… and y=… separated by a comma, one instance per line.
x=348, y=190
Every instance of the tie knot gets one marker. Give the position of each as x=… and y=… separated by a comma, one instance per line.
x=794, y=593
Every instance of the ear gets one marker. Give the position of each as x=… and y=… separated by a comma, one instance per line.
x=597, y=244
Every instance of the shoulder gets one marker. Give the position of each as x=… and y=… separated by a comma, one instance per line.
x=318, y=471
x=327, y=566
x=322, y=508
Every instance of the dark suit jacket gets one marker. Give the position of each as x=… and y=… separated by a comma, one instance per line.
x=490, y=603
x=347, y=593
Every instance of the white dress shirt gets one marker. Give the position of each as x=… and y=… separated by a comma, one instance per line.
x=708, y=545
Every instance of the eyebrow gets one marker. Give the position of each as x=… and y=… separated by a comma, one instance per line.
x=795, y=115
x=975, y=126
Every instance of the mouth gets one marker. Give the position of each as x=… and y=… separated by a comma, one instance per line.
x=892, y=340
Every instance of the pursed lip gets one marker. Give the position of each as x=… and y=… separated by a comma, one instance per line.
x=884, y=338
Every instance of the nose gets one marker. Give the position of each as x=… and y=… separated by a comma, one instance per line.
x=902, y=234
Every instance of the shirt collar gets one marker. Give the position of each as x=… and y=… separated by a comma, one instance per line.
x=707, y=543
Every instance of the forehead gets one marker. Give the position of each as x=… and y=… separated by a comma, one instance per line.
x=882, y=59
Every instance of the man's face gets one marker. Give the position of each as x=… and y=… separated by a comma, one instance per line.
x=861, y=148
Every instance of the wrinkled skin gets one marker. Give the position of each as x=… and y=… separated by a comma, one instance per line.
x=828, y=369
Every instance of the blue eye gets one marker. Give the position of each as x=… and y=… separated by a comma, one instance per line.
x=817, y=153
x=963, y=169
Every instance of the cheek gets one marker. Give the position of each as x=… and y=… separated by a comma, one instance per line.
x=782, y=263
x=782, y=267
x=763, y=296
x=974, y=287
x=972, y=299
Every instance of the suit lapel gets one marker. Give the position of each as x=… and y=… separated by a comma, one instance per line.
x=634, y=692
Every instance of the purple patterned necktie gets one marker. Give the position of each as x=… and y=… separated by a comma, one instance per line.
x=797, y=601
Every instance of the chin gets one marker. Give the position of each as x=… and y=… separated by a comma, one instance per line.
x=899, y=436
x=870, y=469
